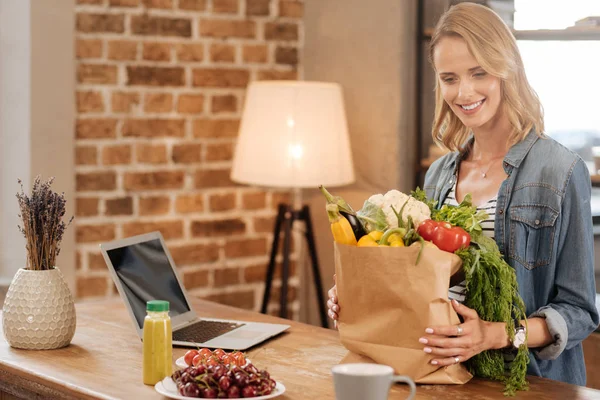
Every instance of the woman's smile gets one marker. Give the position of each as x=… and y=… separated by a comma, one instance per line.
x=471, y=108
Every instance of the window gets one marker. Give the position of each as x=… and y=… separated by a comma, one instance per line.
x=564, y=73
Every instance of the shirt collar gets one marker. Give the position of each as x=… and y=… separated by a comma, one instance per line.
x=517, y=152
x=456, y=156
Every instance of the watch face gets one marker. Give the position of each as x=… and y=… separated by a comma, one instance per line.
x=519, y=337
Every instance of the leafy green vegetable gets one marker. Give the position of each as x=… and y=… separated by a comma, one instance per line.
x=492, y=291
x=420, y=195
x=372, y=217
x=465, y=215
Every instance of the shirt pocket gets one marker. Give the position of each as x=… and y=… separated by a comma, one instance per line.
x=532, y=234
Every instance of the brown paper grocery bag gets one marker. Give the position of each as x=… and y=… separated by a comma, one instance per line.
x=387, y=302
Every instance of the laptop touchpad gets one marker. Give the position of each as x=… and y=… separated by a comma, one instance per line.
x=244, y=334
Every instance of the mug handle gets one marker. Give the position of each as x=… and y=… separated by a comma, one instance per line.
x=409, y=382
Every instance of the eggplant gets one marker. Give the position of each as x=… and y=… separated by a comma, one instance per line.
x=357, y=227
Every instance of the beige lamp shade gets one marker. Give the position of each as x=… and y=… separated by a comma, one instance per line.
x=293, y=134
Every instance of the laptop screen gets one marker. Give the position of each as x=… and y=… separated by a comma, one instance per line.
x=146, y=274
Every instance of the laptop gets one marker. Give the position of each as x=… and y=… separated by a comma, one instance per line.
x=143, y=269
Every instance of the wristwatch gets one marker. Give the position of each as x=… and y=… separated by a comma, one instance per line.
x=520, y=335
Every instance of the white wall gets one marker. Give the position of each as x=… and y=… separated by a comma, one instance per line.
x=15, y=111
x=368, y=47
x=37, y=110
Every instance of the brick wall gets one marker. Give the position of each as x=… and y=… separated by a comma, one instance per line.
x=160, y=87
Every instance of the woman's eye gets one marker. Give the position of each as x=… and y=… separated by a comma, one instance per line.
x=448, y=80
x=480, y=74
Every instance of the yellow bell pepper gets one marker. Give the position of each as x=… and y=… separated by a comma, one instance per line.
x=367, y=241
x=394, y=237
x=376, y=235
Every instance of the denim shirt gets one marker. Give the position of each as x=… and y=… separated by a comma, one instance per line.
x=543, y=228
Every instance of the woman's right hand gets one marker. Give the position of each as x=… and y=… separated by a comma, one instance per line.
x=332, y=304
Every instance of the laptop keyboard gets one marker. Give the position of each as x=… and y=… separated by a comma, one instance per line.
x=203, y=331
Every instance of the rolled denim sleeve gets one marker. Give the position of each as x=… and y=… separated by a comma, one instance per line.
x=558, y=330
x=571, y=314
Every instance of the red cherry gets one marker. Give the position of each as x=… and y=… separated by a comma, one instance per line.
x=204, y=352
x=249, y=391
x=189, y=356
x=197, y=360
x=191, y=390
x=224, y=383
x=233, y=392
x=219, y=353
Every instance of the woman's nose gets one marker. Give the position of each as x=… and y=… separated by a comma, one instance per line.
x=465, y=89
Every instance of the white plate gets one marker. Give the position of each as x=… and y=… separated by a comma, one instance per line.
x=180, y=362
x=168, y=388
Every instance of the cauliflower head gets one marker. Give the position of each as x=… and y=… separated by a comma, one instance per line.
x=417, y=210
x=377, y=212
x=376, y=199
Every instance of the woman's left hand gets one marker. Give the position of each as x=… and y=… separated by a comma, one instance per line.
x=457, y=343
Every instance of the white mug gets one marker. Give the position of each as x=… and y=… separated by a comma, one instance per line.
x=363, y=381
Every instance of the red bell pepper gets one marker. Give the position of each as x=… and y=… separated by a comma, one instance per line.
x=427, y=228
x=444, y=235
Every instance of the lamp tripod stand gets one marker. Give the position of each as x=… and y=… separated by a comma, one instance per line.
x=286, y=216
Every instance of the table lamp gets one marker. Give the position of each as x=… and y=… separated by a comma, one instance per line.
x=293, y=134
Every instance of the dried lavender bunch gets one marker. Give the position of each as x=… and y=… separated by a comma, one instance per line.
x=43, y=226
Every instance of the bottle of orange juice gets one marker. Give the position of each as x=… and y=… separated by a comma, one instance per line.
x=158, y=347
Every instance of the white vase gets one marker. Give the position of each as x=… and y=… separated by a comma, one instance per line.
x=38, y=312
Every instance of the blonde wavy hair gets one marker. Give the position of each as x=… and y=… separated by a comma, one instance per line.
x=495, y=49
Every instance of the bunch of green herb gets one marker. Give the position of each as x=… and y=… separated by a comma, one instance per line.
x=464, y=215
x=43, y=226
x=492, y=291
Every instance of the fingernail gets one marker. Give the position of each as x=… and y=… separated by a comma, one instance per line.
x=428, y=330
x=423, y=340
x=427, y=350
x=336, y=308
x=434, y=362
x=455, y=302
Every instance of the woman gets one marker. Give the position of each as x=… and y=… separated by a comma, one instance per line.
x=536, y=191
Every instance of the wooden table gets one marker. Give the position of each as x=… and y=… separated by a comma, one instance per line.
x=104, y=361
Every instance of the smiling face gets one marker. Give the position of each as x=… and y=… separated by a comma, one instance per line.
x=471, y=93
